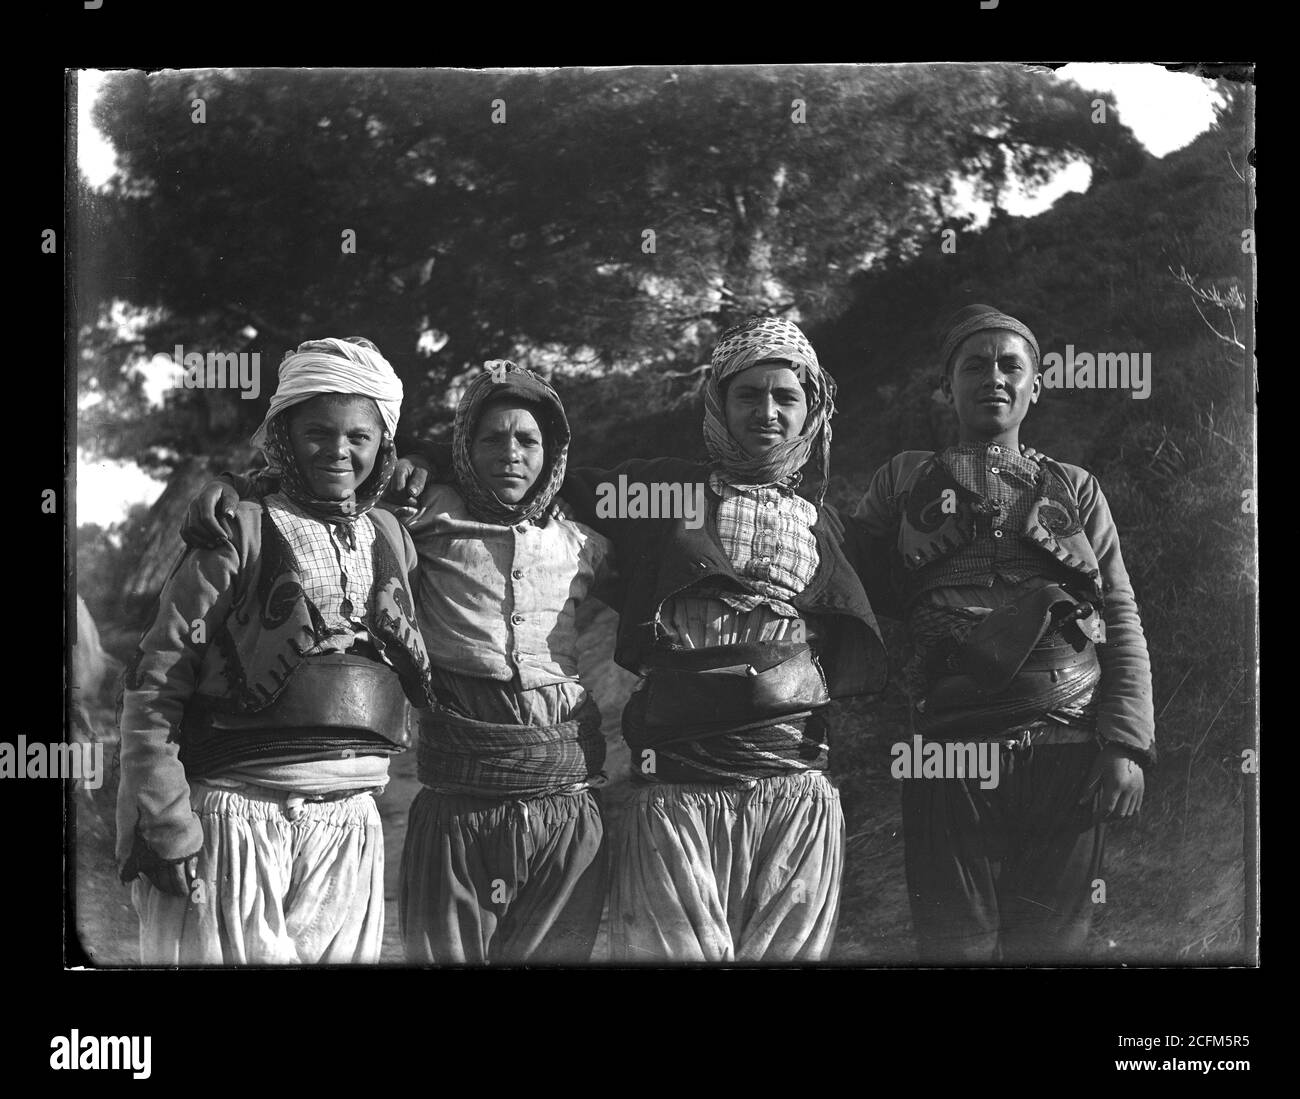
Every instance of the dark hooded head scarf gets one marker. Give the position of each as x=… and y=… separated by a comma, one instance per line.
x=501, y=378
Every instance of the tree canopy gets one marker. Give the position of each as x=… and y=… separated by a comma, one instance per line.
x=623, y=216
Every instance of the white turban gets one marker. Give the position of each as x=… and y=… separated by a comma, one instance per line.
x=335, y=366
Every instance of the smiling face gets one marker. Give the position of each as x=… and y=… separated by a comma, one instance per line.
x=508, y=450
x=335, y=440
x=765, y=405
x=993, y=381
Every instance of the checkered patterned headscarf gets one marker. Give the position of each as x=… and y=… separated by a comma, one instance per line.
x=741, y=347
x=501, y=378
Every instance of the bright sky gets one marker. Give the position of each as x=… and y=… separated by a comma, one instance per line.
x=107, y=490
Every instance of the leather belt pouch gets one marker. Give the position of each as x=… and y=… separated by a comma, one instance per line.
x=1050, y=678
x=331, y=691
x=733, y=683
x=995, y=651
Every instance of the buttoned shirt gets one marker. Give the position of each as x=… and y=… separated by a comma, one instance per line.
x=498, y=601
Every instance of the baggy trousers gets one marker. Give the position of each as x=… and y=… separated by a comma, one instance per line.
x=275, y=885
x=486, y=880
x=736, y=872
x=1004, y=874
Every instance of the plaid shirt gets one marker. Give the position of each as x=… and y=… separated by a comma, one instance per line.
x=335, y=579
x=766, y=531
x=997, y=552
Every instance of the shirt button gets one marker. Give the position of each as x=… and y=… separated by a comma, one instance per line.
x=997, y=534
x=517, y=655
x=994, y=469
x=518, y=574
x=996, y=449
x=522, y=528
x=517, y=619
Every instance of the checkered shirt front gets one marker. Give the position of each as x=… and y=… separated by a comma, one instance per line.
x=766, y=531
x=335, y=578
x=1008, y=482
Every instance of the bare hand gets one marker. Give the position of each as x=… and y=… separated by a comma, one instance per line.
x=210, y=515
x=1122, y=784
x=1032, y=454
x=410, y=476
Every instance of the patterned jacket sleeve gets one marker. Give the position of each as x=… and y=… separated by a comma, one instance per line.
x=1125, y=712
x=153, y=794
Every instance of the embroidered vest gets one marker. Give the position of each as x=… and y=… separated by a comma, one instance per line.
x=929, y=531
x=272, y=625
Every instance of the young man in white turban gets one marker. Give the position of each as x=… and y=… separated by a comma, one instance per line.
x=262, y=705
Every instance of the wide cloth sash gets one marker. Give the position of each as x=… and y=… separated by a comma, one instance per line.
x=458, y=755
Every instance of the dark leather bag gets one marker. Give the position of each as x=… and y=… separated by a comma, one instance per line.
x=998, y=648
x=330, y=691
x=733, y=683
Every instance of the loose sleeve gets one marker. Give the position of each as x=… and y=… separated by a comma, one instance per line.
x=153, y=794
x=1125, y=713
x=582, y=491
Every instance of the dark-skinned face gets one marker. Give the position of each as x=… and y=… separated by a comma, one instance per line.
x=335, y=443
x=508, y=450
x=765, y=405
x=993, y=381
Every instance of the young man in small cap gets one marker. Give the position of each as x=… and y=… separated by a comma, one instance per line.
x=1007, y=571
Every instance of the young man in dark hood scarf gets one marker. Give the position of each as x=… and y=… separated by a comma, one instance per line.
x=504, y=859
x=984, y=540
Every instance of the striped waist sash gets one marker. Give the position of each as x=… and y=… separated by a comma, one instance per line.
x=458, y=755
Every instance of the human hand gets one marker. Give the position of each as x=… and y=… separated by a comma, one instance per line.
x=208, y=518
x=1122, y=784
x=413, y=482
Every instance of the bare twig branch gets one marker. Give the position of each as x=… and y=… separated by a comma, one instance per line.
x=1225, y=303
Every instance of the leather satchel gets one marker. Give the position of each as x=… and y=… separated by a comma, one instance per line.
x=733, y=683
x=329, y=691
x=996, y=650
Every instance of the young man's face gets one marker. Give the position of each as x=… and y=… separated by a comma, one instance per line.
x=993, y=381
x=335, y=440
x=508, y=450
x=765, y=405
